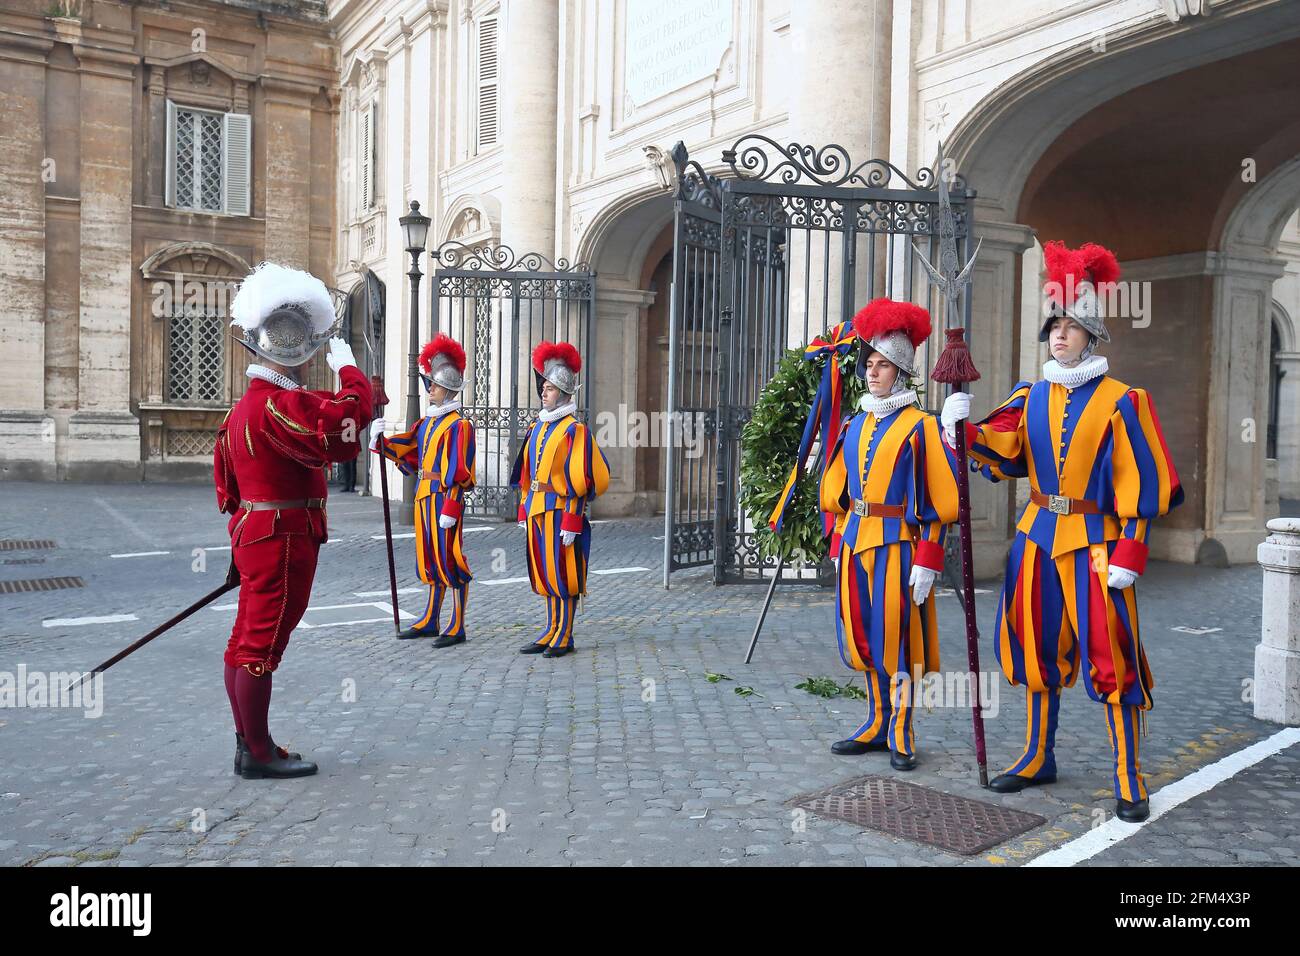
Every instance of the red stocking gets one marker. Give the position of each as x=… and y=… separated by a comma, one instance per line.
x=254, y=696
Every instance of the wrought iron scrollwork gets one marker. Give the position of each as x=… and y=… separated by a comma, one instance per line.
x=453, y=254
x=757, y=157
x=693, y=183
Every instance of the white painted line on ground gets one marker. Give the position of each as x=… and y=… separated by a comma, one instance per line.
x=479, y=528
x=1167, y=798
x=78, y=621
x=617, y=570
x=380, y=537
x=135, y=528
x=365, y=620
x=499, y=581
x=385, y=592
x=139, y=554
x=217, y=547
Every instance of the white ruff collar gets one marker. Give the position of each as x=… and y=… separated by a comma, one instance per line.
x=444, y=408
x=1081, y=374
x=556, y=413
x=272, y=376
x=880, y=407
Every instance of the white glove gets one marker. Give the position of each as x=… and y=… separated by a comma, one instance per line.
x=1121, y=578
x=921, y=581
x=376, y=429
x=567, y=537
x=446, y=521
x=955, y=407
x=340, y=354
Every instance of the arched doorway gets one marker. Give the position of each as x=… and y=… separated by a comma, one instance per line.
x=629, y=246
x=1186, y=172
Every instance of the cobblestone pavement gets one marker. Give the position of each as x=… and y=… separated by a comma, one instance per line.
x=622, y=753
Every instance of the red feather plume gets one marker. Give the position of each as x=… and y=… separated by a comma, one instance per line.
x=443, y=344
x=563, y=351
x=1066, y=268
x=885, y=315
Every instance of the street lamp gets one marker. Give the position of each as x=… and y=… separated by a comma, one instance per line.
x=415, y=231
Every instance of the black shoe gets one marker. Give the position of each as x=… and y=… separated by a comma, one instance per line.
x=241, y=748
x=1013, y=783
x=277, y=767
x=1132, y=811
x=902, y=761
x=411, y=633
x=447, y=640
x=559, y=651
x=852, y=748
x=532, y=648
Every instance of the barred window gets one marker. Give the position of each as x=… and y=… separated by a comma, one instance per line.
x=208, y=160
x=196, y=357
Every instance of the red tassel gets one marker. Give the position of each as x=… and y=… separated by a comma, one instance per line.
x=955, y=365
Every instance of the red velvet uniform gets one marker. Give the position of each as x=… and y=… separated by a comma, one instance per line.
x=273, y=446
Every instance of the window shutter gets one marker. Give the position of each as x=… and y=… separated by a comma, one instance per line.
x=236, y=156
x=363, y=149
x=374, y=153
x=487, y=82
x=169, y=189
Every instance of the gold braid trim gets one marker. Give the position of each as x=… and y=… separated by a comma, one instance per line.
x=248, y=440
x=285, y=420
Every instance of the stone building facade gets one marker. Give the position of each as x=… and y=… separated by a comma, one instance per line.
x=1165, y=129
x=152, y=152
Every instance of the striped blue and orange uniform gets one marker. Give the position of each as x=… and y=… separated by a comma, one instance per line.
x=1099, y=443
x=439, y=451
x=558, y=471
x=900, y=462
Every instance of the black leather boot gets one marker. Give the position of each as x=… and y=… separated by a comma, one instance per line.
x=1013, y=783
x=241, y=748
x=559, y=651
x=277, y=767
x=902, y=761
x=448, y=640
x=532, y=648
x=852, y=748
x=410, y=633
x=1132, y=811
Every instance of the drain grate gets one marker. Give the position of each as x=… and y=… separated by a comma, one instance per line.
x=11, y=544
x=919, y=814
x=40, y=584
x=24, y=561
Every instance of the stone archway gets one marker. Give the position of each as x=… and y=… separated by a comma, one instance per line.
x=1086, y=147
x=626, y=244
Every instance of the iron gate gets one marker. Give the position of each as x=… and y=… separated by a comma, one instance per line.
x=787, y=242
x=499, y=306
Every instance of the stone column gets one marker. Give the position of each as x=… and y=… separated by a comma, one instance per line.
x=529, y=105
x=1277, y=656
x=1238, y=410
x=843, y=100
x=286, y=144
x=23, y=453
x=103, y=435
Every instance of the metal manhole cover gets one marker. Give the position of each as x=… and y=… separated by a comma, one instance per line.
x=40, y=584
x=11, y=544
x=24, y=560
x=919, y=814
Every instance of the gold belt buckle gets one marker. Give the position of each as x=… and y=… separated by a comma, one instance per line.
x=1058, y=504
x=861, y=508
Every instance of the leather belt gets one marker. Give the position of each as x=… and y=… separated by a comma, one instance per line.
x=1061, y=505
x=282, y=505
x=542, y=486
x=870, y=509
x=429, y=475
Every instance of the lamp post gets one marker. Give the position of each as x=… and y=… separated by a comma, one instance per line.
x=415, y=231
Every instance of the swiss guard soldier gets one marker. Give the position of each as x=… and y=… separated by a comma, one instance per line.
x=558, y=471
x=1099, y=472
x=439, y=451
x=895, y=482
x=268, y=467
